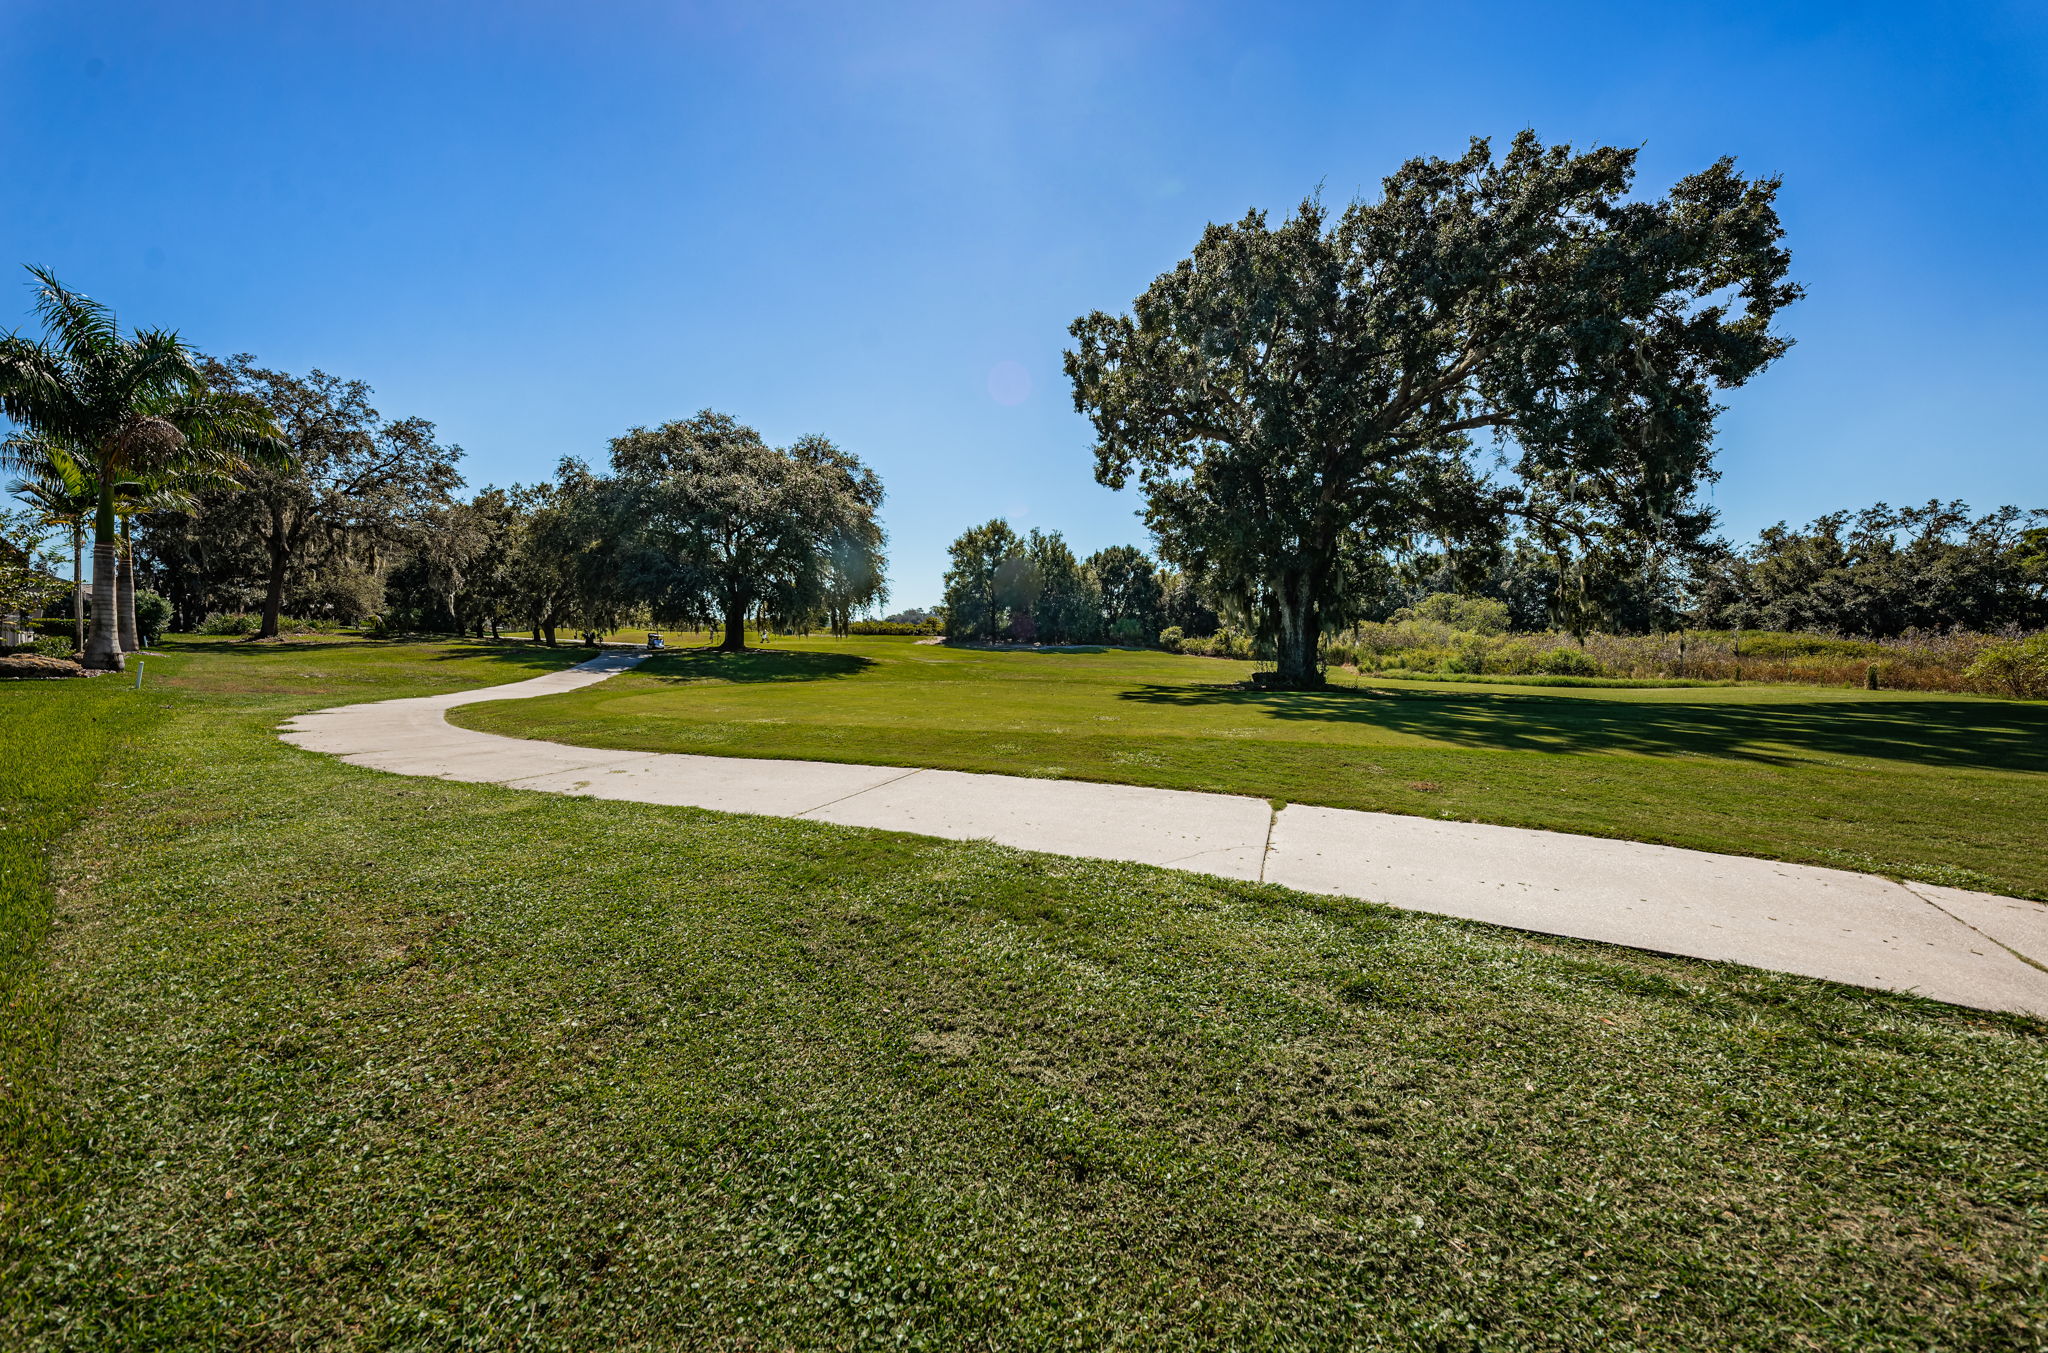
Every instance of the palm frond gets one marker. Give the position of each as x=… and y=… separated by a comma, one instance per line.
x=230, y=431
x=35, y=384
x=84, y=326
x=158, y=368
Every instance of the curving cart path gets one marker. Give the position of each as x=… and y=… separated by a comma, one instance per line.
x=1966, y=948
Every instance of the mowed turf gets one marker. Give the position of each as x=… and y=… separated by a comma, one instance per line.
x=329, y=1057
x=1945, y=788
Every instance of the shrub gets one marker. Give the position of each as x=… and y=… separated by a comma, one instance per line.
x=1468, y=656
x=1230, y=643
x=36, y=666
x=2018, y=668
x=243, y=622
x=1477, y=615
x=1567, y=662
x=1170, y=639
x=1128, y=632
x=893, y=627
x=49, y=647
x=152, y=613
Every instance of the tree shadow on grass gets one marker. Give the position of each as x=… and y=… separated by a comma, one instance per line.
x=537, y=657
x=228, y=646
x=683, y=666
x=1957, y=733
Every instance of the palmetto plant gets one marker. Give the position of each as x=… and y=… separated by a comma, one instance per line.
x=129, y=409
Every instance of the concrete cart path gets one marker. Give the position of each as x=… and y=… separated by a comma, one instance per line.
x=1967, y=948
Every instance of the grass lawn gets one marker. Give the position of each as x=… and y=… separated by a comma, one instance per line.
x=1946, y=788
x=321, y=1056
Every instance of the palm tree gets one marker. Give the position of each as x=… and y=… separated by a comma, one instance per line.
x=139, y=498
x=63, y=496
x=129, y=409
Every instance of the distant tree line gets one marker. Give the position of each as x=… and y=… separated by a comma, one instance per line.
x=1033, y=589
x=1878, y=573
x=695, y=522
x=234, y=488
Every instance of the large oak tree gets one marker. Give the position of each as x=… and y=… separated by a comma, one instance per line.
x=743, y=524
x=356, y=480
x=1301, y=401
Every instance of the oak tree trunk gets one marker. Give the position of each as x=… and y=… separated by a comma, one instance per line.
x=1297, y=635
x=735, y=625
x=273, y=591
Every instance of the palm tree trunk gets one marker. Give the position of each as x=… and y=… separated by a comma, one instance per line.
x=78, y=584
x=103, y=644
x=131, y=640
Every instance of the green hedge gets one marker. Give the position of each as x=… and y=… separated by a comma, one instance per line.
x=892, y=627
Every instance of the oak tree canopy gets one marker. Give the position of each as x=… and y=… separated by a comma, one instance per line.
x=1302, y=401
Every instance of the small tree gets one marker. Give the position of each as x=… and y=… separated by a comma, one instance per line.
x=27, y=583
x=1130, y=591
x=1299, y=401
x=1068, y=607
x=856, y=568
x=979, y=592
x=62, y=495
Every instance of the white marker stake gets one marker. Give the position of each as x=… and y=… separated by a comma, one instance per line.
x=139, y=664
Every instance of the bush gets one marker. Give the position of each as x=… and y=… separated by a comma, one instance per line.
x=34, y=666
x=1469, y=656
x=2018, y=668
x=60, y=647
x=1225, y=643
x=1170, y=638
x=152, y=613
x=1476, y=615
x=239, y=623
x=1128, y=632
x=1567, y=662
x=893, y=627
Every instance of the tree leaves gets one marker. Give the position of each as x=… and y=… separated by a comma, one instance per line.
x=1299, y=401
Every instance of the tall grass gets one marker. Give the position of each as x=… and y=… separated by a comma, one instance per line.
x=1916, y=662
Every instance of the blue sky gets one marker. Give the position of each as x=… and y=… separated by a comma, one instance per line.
x=539, y=224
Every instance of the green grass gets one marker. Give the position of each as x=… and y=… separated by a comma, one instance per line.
x=344, y=1058
x=1946, y=788
x=1352, y=679
x=56, y=740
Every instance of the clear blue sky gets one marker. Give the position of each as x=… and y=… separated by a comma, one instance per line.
x=539, y=224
